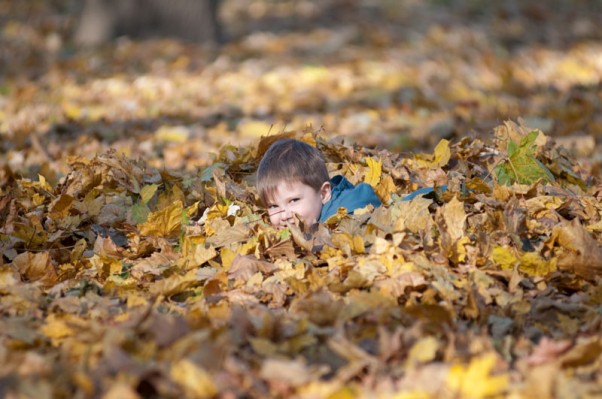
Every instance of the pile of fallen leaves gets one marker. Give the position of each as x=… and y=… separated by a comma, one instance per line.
x=127, y=281
x=137, y=262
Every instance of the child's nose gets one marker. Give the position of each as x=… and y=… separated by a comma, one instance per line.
x=287, y=215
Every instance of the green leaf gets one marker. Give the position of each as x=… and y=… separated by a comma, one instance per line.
x=207, y=174
x=185, y=218
x=147, y=192
x=140, y=213
x=284, y=234
x=522, y=166
x=511, y=148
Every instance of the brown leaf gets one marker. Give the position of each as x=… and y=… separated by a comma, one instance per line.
x=229, y=235
x=60, y=206
x=174, y=284
x=292, y=372
x=106, y=247
x=455, y=218
x=580, y=252
x=243, y=267
x=548, y=350
x=36, y=267
x=154, y=265
x=283, y=248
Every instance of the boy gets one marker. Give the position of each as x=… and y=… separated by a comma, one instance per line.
x=292, y=179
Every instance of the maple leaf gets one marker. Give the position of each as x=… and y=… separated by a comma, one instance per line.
x=164, y=223
x=522, y=166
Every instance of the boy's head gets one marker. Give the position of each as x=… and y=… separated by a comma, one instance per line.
x=292, y=179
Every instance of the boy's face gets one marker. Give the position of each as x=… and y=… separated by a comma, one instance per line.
x=297, y=198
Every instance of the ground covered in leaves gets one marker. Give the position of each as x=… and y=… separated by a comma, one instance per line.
x=137, y=261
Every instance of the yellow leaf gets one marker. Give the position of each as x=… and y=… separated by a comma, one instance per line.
x=134, y=300
x=193, y=378
x=197, y=256
x=56, y=329
x=423, y=351
x=121, y=390
x=254, y=280
x=172, y=134
x=163, y=223
x=595, y=227
x=8, y=278
x=43, y=183
x=440, y=157
x=412, y=395
x=255, y=128
x=503, y=257
x=38, y=199
x=534, y=265
x=474, y=381
x=347, y=242
x=414, y=215
x=174, y=284
x=442, y=153
x=344, y=393
x=147, y=192
x=375, y=170
x=385, y=188
x=458, y=251
x=78, y=250
x=227, y=256
x=455, y=217
x=358, y=244
x=320, y=389
x=72, y=111
x=309, y=139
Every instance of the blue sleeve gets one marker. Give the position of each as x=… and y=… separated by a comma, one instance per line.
x=422, y=191
x=362, y=196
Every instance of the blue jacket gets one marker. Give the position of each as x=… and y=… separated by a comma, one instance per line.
x=346, y=195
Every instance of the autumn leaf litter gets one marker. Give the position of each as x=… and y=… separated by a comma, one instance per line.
x=198, y=293
x=150, y=270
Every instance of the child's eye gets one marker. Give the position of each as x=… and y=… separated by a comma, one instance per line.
x=272, y=206
x=295, y=199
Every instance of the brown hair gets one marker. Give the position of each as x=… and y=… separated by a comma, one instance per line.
x=290, y=160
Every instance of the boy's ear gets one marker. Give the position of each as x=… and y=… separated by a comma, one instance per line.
x=326, y=192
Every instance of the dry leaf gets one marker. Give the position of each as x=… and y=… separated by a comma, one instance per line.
x=36, y=267
x=164, y=223
x=580, y=252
